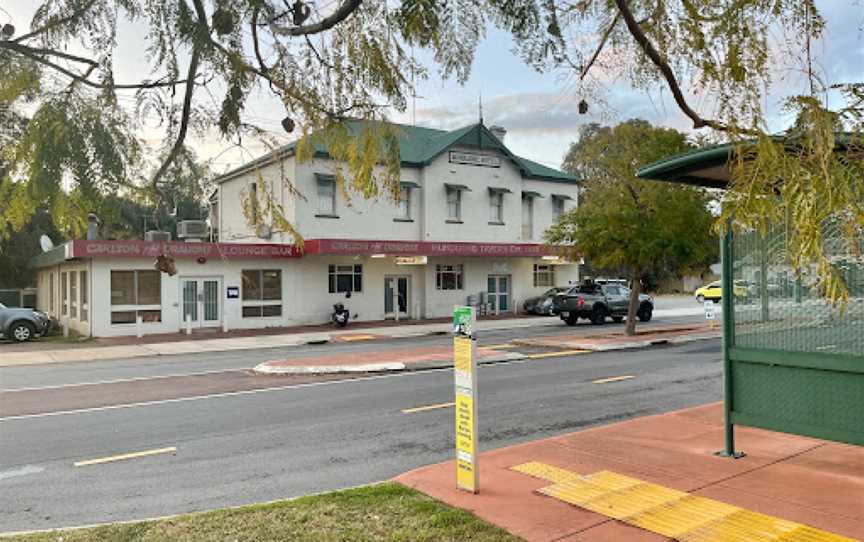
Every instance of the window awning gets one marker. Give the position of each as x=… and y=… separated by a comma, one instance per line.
x=460, y=187
x=561, y=196
x=409, y=184
x=499, y=190
x=531, y=194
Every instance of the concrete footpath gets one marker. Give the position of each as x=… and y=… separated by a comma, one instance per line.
x=41, y=353
x=656, y=478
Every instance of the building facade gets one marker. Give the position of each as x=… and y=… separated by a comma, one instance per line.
x=466, y=227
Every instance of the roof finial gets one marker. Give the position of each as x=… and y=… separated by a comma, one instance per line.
x=480, y=103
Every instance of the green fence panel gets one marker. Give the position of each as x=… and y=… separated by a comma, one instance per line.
x=796, y=361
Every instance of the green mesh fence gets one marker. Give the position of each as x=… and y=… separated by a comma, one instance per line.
x=775, y=310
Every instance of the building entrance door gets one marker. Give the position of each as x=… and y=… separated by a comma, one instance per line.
x=498, y=290
x=396, y=297
x=200, y=301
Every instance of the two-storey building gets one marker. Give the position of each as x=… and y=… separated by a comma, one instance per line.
x=467, y=226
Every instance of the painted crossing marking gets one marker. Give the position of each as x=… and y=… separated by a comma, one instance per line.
x=613, y=379
x=122, y=457
x=21, y=471
x=555, y=354
x=668, y=512
x=428, y=407
x=352, y=338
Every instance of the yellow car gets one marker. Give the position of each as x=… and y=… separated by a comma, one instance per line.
x=714, y=291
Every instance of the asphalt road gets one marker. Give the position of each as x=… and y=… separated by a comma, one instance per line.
x=259, y=444
x=65, y=374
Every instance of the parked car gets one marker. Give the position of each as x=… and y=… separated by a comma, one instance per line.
x=542, y=304
x=713, y=291
x=596, y=302
x=23, y=324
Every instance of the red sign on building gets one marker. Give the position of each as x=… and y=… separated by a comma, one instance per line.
x=179, y=249
x=423, y=248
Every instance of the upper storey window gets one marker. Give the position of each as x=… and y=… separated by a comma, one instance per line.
x=326, y=196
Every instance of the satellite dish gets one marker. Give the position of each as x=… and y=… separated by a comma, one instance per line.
x=46, y=243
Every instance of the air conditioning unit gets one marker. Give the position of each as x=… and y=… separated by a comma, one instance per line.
x=264, y=231
x=191, y=230
x=159, y=236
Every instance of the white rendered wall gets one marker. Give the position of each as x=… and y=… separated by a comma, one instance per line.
x=360, y=218
x=233, y=226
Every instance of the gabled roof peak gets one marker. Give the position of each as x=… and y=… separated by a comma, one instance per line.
x=419, y=146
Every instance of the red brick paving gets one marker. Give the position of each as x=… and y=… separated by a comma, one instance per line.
x=806, y=480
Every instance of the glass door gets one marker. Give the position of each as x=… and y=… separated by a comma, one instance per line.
x=498, y=288
x=200, y=302
x=396, y=300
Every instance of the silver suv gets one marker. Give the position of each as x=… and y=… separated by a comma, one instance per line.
x=23, y=324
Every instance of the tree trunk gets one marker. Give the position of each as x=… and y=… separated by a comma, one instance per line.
x=633, y=307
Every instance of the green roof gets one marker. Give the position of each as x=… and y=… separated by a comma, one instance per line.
x=418, y=146
x=693, y=167
x=709, y=166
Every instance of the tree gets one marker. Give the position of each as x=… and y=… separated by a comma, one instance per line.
x=717, y=59
x=645, y=228
x=324, y=64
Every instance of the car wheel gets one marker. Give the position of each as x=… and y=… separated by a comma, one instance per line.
x=21, y=331
x=617, y=319
x=598, y=316
x=700, y=298
x=645, y=314
x=716, y=300
x=550, y=311
x=571, y=319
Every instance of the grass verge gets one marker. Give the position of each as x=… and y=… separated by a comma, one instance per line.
x=384, y=512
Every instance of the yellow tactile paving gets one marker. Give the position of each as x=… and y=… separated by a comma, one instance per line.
x=669, y=512
x=545, y=472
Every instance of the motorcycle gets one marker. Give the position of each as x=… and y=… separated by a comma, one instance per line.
x=341, y=315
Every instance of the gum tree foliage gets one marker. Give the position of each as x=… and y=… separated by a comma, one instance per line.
x=324, y=61
x=644, y=228
x=717, y=59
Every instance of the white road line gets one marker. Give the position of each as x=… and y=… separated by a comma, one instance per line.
x=613, y=379
x=123, y=457
x=427, y=407
x=215, y=395
x=20, y=471
x=122, y=380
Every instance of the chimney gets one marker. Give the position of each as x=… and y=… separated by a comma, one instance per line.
x=92, y=227
x=498, y=131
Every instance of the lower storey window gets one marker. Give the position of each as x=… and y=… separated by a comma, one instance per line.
x=544, y=275
x=136, y=293
x=262, y=293
x=260, y=311
x=448, y=277
x=128, y=317
x=345, y=278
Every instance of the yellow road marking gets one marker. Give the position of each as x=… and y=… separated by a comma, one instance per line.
x=350, y=338
x=555, y=354
x=666, y=511
x=122, y=457
x=428, y=407
x=613, y=379
x=499, y=346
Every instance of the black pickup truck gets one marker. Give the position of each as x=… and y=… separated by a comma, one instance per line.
x=596, y=302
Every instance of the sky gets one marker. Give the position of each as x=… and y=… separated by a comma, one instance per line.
x=539, y=110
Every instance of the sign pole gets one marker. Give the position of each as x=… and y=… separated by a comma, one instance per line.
x=465, y=379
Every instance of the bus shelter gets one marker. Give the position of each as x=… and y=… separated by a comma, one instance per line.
x=792, y=362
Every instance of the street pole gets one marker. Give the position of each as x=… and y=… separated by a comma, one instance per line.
x=465, y=380
x=726, y=255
